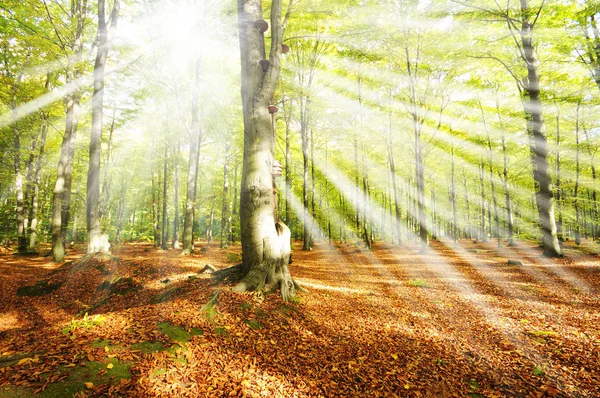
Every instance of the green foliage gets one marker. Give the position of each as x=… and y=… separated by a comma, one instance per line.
x=417, y=283
x=85, y=323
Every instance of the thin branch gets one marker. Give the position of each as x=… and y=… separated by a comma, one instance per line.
x=519, y=82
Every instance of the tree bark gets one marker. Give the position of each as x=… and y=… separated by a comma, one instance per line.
x=33, y=209
x=453, y=199
x=265, y=240
x=576, y=188
x=398, y=220
x=536, y=129
x=164, y=237
x=192, y=177
x=491, y=174
x=176, y=200
x=225, y=216
x=61, y=201
x=96, y=241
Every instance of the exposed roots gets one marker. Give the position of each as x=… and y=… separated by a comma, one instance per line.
x=231, y=274
x=258, y=279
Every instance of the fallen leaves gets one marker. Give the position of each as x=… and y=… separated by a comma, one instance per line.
x=338, y=342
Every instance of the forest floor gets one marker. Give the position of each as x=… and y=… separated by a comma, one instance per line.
x=458, y=321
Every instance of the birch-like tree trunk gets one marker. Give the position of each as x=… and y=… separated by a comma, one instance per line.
x=192, y=177
x=97, y=242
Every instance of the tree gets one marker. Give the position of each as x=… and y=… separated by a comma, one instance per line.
x=265, y=240
x=62, y=189
x=195, y=134
x=96, y=241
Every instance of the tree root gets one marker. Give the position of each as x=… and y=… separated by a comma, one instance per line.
x=231, y=274
x=253, y=281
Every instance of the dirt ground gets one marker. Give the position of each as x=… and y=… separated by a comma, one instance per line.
x=458, y=321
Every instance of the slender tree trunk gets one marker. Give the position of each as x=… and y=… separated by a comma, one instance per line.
x=453, y=198
x=304, y=120
x=33, y=209
x=192, y=177
x=398, y=220
x=225, y=217
x=164, y=233
x=20, y=209
x=106, y=184
x=483, y=232
x=176, y=199
x=313, y=218
x=234, y=201
x=576, y=188
x=594, y=210
x=96, y=242
x=356, y=201
x=288, y=166
x=536, y=129
x=491, y=176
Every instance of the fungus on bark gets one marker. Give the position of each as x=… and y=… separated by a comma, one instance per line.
x=265, y=63
x=261, y=25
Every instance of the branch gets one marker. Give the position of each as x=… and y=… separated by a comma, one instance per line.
x=62, y=43
x=519, y=82
x=537, y=15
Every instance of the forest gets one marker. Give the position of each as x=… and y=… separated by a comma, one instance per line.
x=297, y=198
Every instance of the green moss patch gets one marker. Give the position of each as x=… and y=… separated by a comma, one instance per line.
x=177, y=333
x=254, y=324
x=149, y=346
x=77, y=376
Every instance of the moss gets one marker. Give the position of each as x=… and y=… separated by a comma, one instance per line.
x=149, y=346
x=177, y=333
x=77, y=376
x=221, y=331
x=417, y=283
x=84, y=323
x=260, y=313
x=158, y=372
x=41, y=288
x=254, y=324
x=287, y=309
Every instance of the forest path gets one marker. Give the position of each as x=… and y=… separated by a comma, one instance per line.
x=389, y=322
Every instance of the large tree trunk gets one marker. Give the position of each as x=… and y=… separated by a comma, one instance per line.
x=192, y=177
x=265, y=241
x=536, y=129
x=97, y=242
